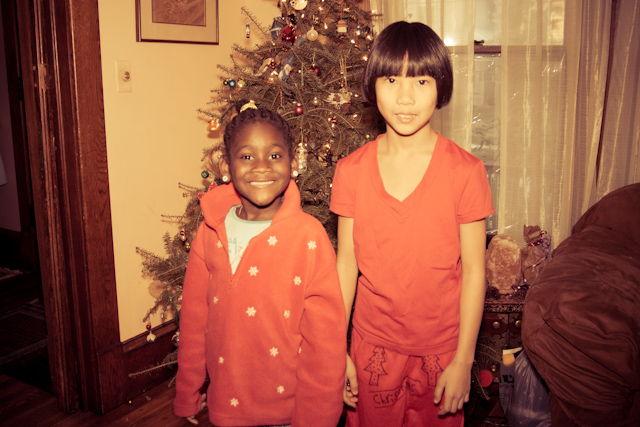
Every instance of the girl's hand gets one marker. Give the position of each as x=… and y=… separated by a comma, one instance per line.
x=350, y=394
x=455, y=384
x=203, y=404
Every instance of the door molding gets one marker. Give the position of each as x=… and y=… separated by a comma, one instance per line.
x=62, y=79
x=61, y=65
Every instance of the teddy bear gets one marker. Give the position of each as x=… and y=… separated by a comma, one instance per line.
x=502, y=264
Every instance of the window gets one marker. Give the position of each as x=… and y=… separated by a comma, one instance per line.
x=487, y=74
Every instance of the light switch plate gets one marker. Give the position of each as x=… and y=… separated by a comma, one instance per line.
x=123, y=76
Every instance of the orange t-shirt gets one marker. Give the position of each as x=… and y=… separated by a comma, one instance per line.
x=408, y=253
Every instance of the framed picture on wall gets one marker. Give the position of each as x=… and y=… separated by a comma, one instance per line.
x=177, y=21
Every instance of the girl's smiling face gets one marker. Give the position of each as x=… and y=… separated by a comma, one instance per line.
x=259, y=164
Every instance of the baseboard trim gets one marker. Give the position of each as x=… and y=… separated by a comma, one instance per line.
x=141, y=340
x=139, y=355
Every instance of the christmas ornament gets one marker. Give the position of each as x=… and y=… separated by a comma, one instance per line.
x=231, y=83
x=187, y=246
x=284, y=73
x=183, y=233
x=247, y=31
x=272, y=62
x=151, y=338
x=317, y=70
x=215, y=157
x=276, y=28
x=301, y=154
x=342, y=26
x=342, y=97
x=214, y=124
x=205, y=175
x=315, y=100
x=298, y=110
x=312, y=34
x=358, y=31
x=288, y=34
x=175, y=339
x=293, y=19
x=486, y=378
x=241, y=83
x=298, y=4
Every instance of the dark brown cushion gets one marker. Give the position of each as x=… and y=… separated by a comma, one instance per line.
x=581, y=322
x=618, y=211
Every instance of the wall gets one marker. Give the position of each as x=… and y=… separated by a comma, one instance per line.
x=9, y=208
x=154, y=135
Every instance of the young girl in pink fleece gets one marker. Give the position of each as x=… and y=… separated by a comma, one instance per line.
x=262, y=311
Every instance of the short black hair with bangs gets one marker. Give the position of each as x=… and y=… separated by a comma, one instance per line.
x=426, y=55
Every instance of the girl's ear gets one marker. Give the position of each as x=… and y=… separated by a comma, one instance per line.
x=294, y=165
x=223, y=164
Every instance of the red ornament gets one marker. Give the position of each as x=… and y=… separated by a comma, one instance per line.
x=486, y=378
x=316, y=69
x=272, y=63
x=298, y=110
x=288, y=34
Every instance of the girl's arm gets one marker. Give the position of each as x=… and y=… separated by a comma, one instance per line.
x=320, y=366
x=347, y=265
x=348, y=275
x=455, y=381
x=193, y=322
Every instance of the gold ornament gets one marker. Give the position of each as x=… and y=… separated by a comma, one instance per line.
x=301, y=154
x=312, y=34
x=214, y=125
x=342, y=26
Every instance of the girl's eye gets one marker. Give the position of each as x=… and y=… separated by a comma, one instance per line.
x=391, y=80
x=275, y=156
x=422, y=82
x=245, y=157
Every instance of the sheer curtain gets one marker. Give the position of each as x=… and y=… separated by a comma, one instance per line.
x=620, y=149
x=556, y=125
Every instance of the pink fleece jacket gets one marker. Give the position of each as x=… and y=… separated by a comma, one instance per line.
x=272, y=336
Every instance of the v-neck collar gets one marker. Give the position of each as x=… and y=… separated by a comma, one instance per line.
x=405, y=206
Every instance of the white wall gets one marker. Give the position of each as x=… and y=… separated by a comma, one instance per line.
x=155, y=137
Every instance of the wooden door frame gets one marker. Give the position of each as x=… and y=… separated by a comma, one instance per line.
x=62, y=80
x=61, y=71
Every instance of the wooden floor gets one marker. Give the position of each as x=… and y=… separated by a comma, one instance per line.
x=23, y=405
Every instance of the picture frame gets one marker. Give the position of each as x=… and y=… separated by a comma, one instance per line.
x=172, y=21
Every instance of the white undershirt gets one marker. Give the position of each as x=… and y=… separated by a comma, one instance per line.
x=239, y=234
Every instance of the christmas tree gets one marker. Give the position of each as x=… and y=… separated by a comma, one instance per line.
x=375, y=367
x=307, y=66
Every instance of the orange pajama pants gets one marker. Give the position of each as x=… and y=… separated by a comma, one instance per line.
x=396, y=390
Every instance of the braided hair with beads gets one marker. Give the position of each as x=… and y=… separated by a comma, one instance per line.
x=254, y=115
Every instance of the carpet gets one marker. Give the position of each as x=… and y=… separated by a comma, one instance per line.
x=23, y=349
